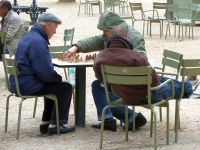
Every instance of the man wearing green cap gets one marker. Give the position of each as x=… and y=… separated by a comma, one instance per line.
x=107, y=22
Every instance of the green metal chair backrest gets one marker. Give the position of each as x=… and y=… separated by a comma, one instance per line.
x=172, y=60
x=10, y=68
x=55, y=51
x=157, y=6
x=137, y=7
x=172, y=12
x=194, y=11
x=189, y=67
x=68, y=36
x=126, y=76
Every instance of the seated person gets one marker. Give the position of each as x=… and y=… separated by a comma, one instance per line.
x=120, y=50
x=12, y=24
x=107, y=22
x=38, y=77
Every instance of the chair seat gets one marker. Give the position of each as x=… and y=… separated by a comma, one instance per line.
x=185, y=21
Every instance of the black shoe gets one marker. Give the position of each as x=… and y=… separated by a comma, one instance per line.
x=140, y=121
x=63, y=129
x=44, y=128
x=109, y=124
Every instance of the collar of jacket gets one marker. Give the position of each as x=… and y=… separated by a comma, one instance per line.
x=118, y=44
x=7, y=17
x=38, y=28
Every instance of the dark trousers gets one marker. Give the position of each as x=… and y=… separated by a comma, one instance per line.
x=63, y=92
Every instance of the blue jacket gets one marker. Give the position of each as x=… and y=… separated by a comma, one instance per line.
x=34, y=63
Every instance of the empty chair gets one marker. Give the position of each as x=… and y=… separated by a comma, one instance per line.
x=183, y=18
x=189, y=67
x=172, y=15
x=171, y=61
x=138, y=14
x=88, y=6
x=95, y=3
x=159, y=11
x=189, y=21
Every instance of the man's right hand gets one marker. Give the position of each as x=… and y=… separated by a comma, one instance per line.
x=71, y=51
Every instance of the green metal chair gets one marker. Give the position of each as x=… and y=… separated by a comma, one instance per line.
x=171, y=64
x=189, y=21
x=184, y=18
x=95, y=3
x=133, y=76
x=159, y=11
x=88, y=5
x=172, y=15
x=10, y=68
x=138, y=14
x=189, y=67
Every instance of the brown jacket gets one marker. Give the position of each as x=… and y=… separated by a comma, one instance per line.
x=118, y=55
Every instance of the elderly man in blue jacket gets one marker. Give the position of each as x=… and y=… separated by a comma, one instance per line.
x=37, y=75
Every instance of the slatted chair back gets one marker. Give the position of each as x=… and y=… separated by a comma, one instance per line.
x=68, y=36
x=171, y=60
x=128, y=76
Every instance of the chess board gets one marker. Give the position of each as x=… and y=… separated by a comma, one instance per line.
x=76, y=58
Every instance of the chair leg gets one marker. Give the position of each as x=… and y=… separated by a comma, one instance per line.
x=182, y=32
x=192, y=33
x=160, y=29
x=154, y=128
x=35, y=106
x=133, y=118
x=167, y=134
x=160, y=110
x=150, y=29
x=65, y=72
x=102, y=125
x=151, y=124
x=57, y=116
x=19, y=118
x=74, y=101
x=177, y=120
x=175, y=30
x=7, y=109
x=143, y=27
x=179, y=31
x=79, y=10
x=166, y=31
x=126, y=122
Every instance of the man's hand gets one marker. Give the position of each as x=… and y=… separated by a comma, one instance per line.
x=71, y=51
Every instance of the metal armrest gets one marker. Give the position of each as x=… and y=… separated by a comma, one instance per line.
x=167, y=73
x=157, y=68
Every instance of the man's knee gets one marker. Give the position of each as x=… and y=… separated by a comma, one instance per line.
x=96, y=84
x=67, y=87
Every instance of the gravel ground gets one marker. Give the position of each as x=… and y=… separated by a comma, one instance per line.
x=88, y=138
